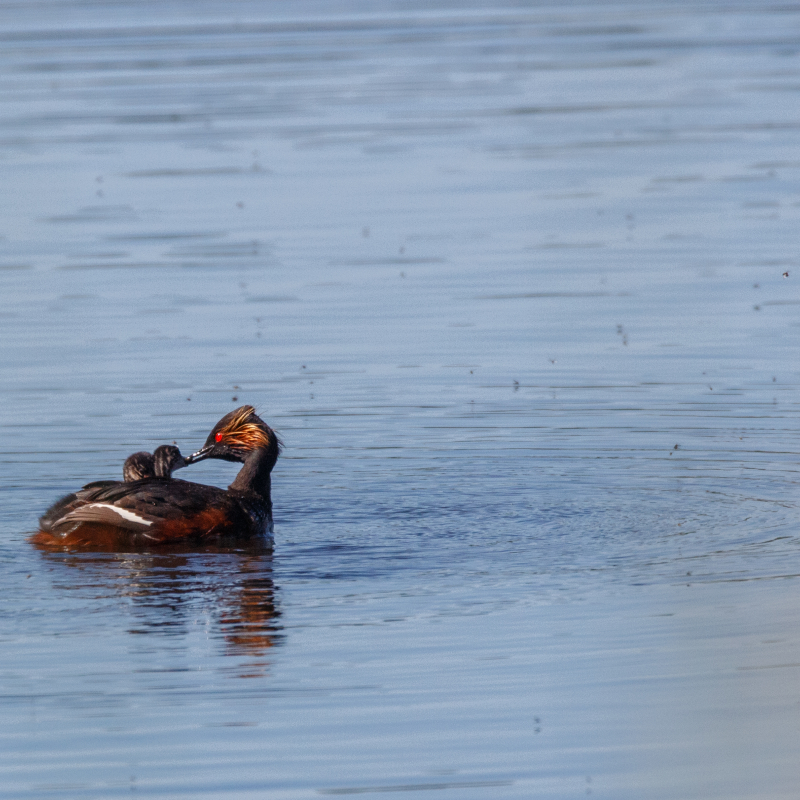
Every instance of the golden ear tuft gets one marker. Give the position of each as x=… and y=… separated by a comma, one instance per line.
x=246, y=430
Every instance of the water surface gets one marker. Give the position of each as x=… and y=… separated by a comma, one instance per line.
x=517, y=285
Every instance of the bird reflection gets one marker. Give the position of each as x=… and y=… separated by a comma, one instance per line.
x=229, y=590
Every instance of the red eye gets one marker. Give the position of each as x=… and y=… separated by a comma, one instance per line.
x=218, y=437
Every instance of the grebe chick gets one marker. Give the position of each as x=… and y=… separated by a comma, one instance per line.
x=137, y=466
x=164, y=461
x=156, y=511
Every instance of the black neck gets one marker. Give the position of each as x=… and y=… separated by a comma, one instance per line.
x=253, y=477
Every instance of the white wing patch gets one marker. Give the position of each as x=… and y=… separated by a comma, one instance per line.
x=105, y=513
x=124, y=513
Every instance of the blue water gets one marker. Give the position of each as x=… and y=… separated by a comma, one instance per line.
x=518, y=287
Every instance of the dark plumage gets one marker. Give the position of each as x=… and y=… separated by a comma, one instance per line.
x=161, y=464
x=153, y=511
x=137, y=466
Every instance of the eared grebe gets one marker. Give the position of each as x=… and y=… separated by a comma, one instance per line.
x=164, y=461
x=157, y=511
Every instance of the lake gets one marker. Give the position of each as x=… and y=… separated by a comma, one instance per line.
x=517, y=284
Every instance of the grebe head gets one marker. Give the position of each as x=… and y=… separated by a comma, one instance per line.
x=138, y=466
x=161, y=464
x=235, y=436
x=166, y=459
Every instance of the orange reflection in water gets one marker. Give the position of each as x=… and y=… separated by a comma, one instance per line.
x=171, y=589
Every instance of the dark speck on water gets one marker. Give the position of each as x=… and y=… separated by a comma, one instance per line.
x=473, y=589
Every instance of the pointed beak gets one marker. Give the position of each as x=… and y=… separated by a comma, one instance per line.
x=200, y=455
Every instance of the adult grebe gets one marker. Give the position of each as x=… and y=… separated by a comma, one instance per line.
x=156, y=511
